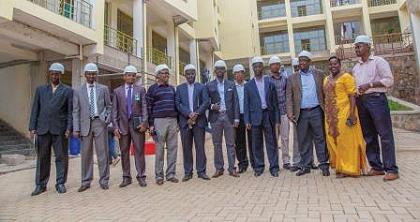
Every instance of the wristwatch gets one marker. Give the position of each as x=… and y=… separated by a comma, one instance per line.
x=371, y=85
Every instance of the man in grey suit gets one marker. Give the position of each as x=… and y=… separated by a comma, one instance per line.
x=129, y=119
x=51, y=122
x=223, y=117
x=261, y=114
x=192, y=101
x=91, y=116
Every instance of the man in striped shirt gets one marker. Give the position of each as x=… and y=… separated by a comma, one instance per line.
x=163, y=123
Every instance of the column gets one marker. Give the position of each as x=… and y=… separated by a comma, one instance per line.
x=173, y=52
x=290, y=28
x=366, y=19
x=138, y=26
x=193, y=52
x=329, y=28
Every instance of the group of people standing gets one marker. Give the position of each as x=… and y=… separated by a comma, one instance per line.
x=343, y=116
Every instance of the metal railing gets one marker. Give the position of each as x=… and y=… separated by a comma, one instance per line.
x=383, y=45
x=79, y=11
x=158, y=57
x=117, y=39
x=373, y=3
x=336, y=3
x=341, y=40
x=181, y=67
x=271, y=11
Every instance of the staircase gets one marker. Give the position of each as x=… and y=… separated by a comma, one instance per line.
x=12, y=142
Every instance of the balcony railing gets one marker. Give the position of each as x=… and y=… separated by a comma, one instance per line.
x=373, y=3
x=181, y=67
x=341, y=40
x=336, y=3
x=117, y=39
x=158, y=57
x=272, y=11
x=383, y=45
x=79, y=11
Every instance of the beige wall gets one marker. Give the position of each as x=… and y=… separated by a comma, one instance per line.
x=188, y=7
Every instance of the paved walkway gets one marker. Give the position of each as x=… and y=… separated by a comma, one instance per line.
x=287, y=198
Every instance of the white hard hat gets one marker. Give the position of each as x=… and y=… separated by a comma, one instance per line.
x=189, y=67
x=257, y=59
x=273, y=60
x=295, y=61
x=160, y=67
x=91, y=67
x=238, y=68
x=130, y=69
x=305, y=53
x=57, y=67
x=220, y=64
x=363, y=39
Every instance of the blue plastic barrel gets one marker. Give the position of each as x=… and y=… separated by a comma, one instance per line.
x=74, y=146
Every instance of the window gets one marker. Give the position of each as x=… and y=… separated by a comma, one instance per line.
x=301, y=10
x=271, y=9
x=274, y=43
x=305, y=7
x=310, y=39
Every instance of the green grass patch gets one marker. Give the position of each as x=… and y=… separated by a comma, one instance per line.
x=394, y=106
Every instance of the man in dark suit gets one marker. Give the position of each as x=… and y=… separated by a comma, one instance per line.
x=129, y=119
x=91, y=116
x=305, y=108
x=223, y=117
x=51, y=122
x=192, y=101
x=261, y=113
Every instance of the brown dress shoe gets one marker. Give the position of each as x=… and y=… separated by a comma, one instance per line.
x=233, y=173
x=373, y=172
x=391, y=176
x=217, y=174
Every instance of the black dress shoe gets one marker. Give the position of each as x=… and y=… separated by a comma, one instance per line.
x=173, y=180
x=60, y=188
x=104, y=187
x=186, y=178
x=242, y=170
x=294, y=168
x=303, y=172
x=83, y=188
x=159, y=182
x=314, y=166
x=125, y=183
x=325, y=172
x=257, y=174
x=233, y=173
x=142, y=182
x=204, y=177
x=286, y=166
x=38, y=190
x=275, y=174
x=217, y=174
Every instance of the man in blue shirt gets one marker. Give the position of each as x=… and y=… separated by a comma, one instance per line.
x=305, y=107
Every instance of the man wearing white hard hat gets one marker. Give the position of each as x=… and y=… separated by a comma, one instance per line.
x=51, y=123
x=279, y=79
x=373, y=79
x=163, y=124
x=130, y=120
x=223, y=118
x=91, y=116
x=192, y=101
x=305, y=107
x=242, y=134
x=295, y=64
x=261, y=114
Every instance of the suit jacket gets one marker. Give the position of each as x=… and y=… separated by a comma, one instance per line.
x=231, y=100
x=81, y=113
x=51, y=112
x=253, y=113
x=201, y=102
x=119, y=107
x=294, y=92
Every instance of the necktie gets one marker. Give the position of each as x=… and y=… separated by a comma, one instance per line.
x=92, y=101
x=128, y=102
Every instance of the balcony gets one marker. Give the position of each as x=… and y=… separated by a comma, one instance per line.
x=373, y=3
x=79, y=11
x=271, y=11
x=338, y=3
x=305, y=7
x=158, y=57
x=119, y=40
